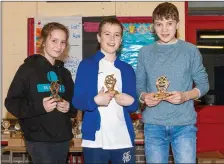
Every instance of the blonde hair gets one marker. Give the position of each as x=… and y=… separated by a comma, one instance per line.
x=46, y=31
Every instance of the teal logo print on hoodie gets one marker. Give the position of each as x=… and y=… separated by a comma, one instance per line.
x=51, y=76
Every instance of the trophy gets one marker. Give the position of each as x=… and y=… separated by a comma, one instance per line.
x=6, y=124
x=77, y=125
x=162, y=84
x=16, y=138
x=54, y=88
x=17, y=132
x=110, y=82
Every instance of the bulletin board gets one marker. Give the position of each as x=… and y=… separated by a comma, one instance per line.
x=138, y=32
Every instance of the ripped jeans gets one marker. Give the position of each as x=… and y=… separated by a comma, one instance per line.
x=158, y=139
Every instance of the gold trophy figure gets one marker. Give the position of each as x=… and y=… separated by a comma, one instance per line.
x=18, y=132
x=162, y=84
x=110, y=82
x=54, y=88
x=6, y=124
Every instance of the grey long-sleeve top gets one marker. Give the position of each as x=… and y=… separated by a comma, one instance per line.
x=181, y=63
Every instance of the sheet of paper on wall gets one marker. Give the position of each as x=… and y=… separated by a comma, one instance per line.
x=73, y=59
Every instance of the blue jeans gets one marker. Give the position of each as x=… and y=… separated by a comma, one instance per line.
x=116, y=156
x=48, y=152
x=158, y=139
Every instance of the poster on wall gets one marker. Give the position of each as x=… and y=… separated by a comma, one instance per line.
x=138, y=32
x=74, y=25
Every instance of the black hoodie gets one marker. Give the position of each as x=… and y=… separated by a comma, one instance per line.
x=25, y=100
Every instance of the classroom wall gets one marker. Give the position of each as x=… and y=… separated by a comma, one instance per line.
x=14, y=26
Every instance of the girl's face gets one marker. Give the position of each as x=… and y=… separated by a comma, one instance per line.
x=55, y=44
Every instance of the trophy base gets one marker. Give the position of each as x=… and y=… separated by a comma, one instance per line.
x=77, y=142
x=58, y=99
x=6, y=132
x=17, y=135
x=162, y=95
x=5, y=136
x=114, y=92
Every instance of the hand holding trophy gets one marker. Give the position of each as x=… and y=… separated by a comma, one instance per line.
x=54, y=88
x=162, y=84
x=110, y=82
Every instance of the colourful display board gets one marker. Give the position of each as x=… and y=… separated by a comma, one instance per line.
x=135, y=36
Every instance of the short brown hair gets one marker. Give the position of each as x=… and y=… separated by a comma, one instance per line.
x=46, y=31
x=109, y=20
x=165, y=10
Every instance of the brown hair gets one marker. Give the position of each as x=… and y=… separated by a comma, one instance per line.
x=165, y=10
x=112, y=21
x=46, y=31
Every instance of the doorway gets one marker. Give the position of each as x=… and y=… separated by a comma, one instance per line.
x=207, y=32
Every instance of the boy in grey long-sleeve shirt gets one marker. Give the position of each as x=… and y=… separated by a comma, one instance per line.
x=171, y=119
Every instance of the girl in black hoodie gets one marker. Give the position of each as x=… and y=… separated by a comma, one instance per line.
x=44, y=117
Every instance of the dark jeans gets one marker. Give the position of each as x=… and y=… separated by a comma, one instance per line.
x=116, y=156
x=47, y=152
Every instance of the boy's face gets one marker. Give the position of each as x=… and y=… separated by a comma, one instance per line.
x=110, y=38
x=166, y=30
